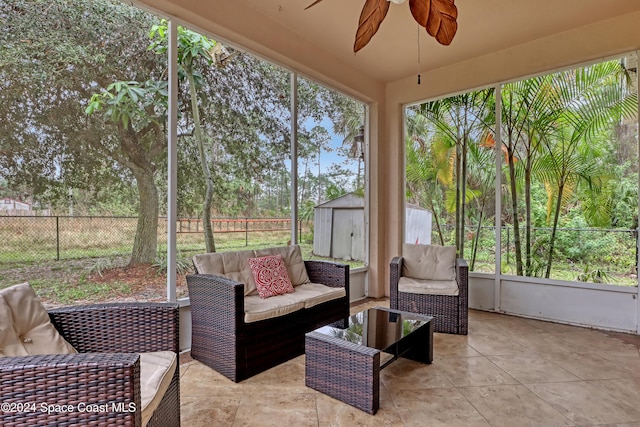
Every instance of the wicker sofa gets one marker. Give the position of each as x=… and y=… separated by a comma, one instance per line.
x=105, y=371
x=234, y=335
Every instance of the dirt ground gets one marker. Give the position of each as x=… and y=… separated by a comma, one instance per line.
x=146, y=283
x=85, y=281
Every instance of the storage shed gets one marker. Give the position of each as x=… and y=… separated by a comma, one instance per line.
x=417, y=228
x=339, y=229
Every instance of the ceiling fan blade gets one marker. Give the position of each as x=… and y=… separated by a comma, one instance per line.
x=441, y=22
x=312, y=4
x=420, y=11
x=372, y=15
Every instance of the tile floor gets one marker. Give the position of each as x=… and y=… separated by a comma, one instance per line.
x=508, y=371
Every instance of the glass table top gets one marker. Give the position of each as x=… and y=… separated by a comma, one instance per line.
x=378, y=328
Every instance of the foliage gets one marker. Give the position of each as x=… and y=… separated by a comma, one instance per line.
x=66, y=52
x=593, y=276
x=131, y=102
x=100, y=266
x=562, y=135
x=183, y=264
x=96, y=54
x=54, y=56
x=306, y=211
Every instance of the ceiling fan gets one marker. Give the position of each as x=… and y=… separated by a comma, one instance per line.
x=437, y=16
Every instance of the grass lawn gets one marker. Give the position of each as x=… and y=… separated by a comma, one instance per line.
x=108, y=279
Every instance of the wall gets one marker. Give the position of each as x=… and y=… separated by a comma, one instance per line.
x=605, y=307
x=322, y=225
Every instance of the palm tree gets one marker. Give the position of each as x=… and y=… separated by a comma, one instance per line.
x=422, y=177
x=590, y=100
x=522, y=115
x=534, y=113
x=481, y=176
x=460, y=122
x=348, y=121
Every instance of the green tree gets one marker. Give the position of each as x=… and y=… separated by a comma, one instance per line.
x=347, y=116
x=194, y=50
x=138, y=111
x=460, y=121
x=525, y=116
x=422, y=171
x=590, y=101
x=55, y=55
x=561, y=111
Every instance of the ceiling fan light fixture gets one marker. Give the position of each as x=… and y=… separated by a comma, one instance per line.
x=438, y=17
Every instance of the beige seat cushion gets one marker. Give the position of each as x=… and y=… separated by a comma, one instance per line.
x=256, y=308
x=232, y=265
x=156, y=372
x=315, y=293
x=431, y=287
x=25, y=327
x=292, y=256
x=305, y=296
x=429, y=262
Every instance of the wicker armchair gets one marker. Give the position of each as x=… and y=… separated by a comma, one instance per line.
x=105, y=371
x=450, y=312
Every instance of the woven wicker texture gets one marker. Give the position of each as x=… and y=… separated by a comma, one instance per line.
x=343, y=370
x=238, y=350
x=451, y=313
x=106, y=371
x=347, y=366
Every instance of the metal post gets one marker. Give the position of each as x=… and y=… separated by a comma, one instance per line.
x=638, y=212
x=497, y=291
x=57, y=238
x=172, y=186
x=246, y=231
x=294, y=156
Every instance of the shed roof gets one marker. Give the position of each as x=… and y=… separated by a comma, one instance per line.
x=350, y=200
x=417, y=207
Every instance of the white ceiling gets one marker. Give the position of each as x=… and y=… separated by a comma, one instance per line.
x=484, y=26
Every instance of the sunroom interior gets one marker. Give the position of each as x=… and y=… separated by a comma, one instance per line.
x=495, y=44
x=531, y=357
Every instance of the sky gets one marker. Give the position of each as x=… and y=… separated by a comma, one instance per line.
x=328, y=158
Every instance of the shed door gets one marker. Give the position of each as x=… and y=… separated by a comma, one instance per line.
x=348, y=234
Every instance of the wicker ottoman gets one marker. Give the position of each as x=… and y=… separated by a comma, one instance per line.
x=345, y=363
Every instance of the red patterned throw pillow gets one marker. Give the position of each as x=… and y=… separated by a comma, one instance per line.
x=270, y=275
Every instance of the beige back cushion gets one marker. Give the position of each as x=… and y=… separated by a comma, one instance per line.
x=429, y=262
x=235, y=265
x=25, y=327
x=232, y=265
x=292, y=256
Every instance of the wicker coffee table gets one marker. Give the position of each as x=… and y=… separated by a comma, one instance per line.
x=346, y=363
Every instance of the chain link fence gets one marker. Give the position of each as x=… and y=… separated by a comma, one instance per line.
x=33, y=239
